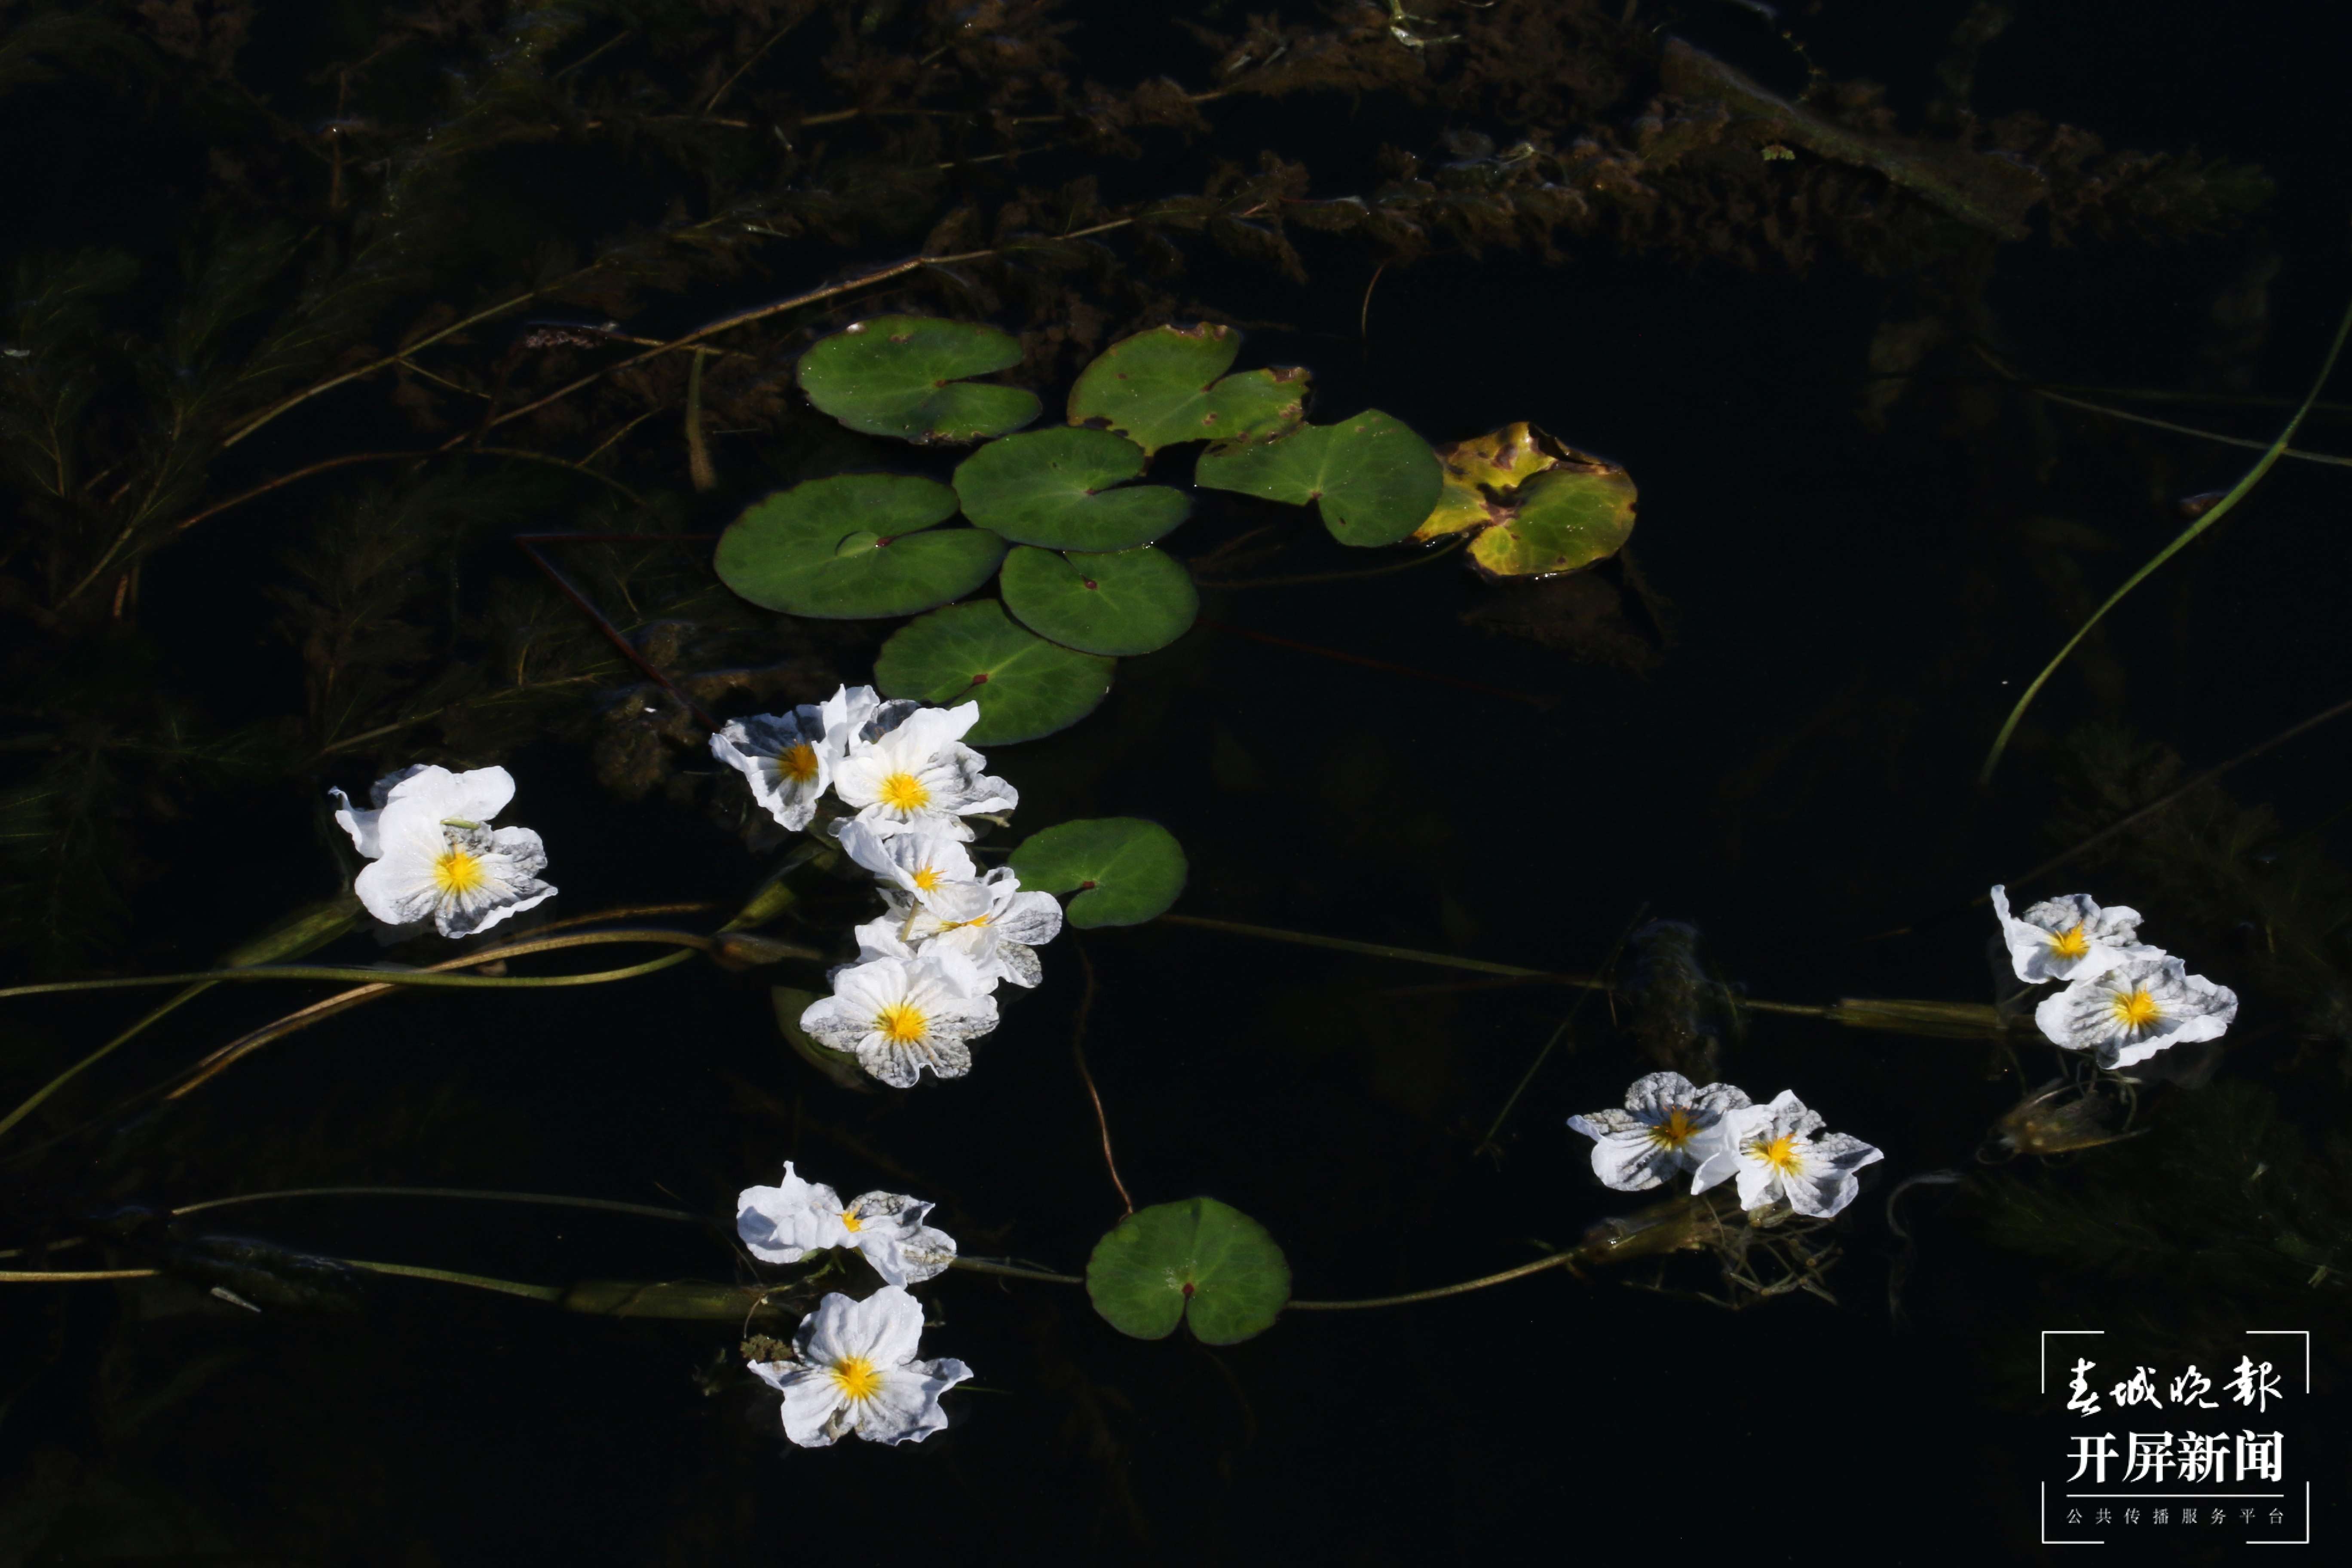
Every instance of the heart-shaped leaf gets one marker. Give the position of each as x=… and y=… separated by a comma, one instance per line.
x=902, y=375
x=855, y=545
x=1054, y=488
x=1540, y=506
x=1199, y=1259
x=1124, y=870
x=1168, y=385
x=1374, y=480
x=1129, y=602
x=1026, y=686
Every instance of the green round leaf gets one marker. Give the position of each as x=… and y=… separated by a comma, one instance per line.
x=1374, y=478
x=1198, y=1259
x=1026, y=686
x=1568, y=517
x=855, y=545
x=901, y=376
x=1163, y=386
x=1124, y=870
x=1129, y=603
x=1053, y=487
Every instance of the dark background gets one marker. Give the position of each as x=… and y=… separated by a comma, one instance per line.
x=1849, y=614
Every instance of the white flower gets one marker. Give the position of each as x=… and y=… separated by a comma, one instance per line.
x=900, y=1016
x=1668, y=1124
x=787, y=757
x=784, y=1224
x=916, y=859
x=990, y=921
x=860, y=713
x=1772, y=1150
x=854, y=1372
x=2136, y=1009
x=2067, y=938
x=920, y=774
x=477, y=797
x=435, y=854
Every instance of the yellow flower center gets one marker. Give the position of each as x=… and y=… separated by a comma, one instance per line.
x=1676, y=1131
x=905, y=791
x=850, y=1222
x=902, y=1022
x=2136, y=1009
x=856, y=1377
x=457, y=872
x=1781, y=1154
x=798, y=763
x=926, y=877
x=2070, y=942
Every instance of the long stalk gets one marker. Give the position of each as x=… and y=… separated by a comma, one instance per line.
x=2214, y=514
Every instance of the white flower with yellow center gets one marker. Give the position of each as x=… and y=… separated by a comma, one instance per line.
x=990, y=921
x=2067, y=938
x=920, y=774
x=1669, y=1125
x=854, y=1372
x=785, y=1223
x=1774, y=1152
x=438, y=857
x=2136, y=1009
x=917, y=861
x=787, y=757
x=899, y=1016
x=477, y=795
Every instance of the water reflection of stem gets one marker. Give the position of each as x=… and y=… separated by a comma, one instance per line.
x=1534, y=1067
x=1078, y=1052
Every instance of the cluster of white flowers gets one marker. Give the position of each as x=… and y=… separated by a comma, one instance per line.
x=1777, y=1150
x=433, y=854
x=922, y=987
x=2120, y=998
x=853, y=1369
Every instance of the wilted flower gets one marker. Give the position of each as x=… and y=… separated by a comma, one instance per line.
x=915, y=859
x=899, y=1016
x=434, y=854
x=784, y=1224
x=920, y=774
x=990, y=921
x=1668, y=1124
x=2067, y=938
x=1774, y=1153
x=854, y=1372
x=788, y=758
x=2136, y=1009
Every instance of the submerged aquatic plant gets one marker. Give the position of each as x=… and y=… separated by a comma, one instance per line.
x=854, y=1374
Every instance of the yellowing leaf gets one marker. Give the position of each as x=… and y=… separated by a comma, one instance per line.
x=1540, y=507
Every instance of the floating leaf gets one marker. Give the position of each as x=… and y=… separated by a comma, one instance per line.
x=1129, y=602
x=1541, y=506
x=1026, y=686
x=1053, y=487
x=1374, y=478
x=1163, y=386
x=902, y=375
x=1124, y=870
x=855, y=545
x=1198, y=1259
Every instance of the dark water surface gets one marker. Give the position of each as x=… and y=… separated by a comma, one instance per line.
x=1769, y=729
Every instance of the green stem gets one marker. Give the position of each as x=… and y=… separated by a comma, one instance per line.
x=1557, y=1260
x=473, y=1282
x=2219, y=510
x=1381, y=949
x=356, y=973
x=34, y=1101
x=1011, y=1271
